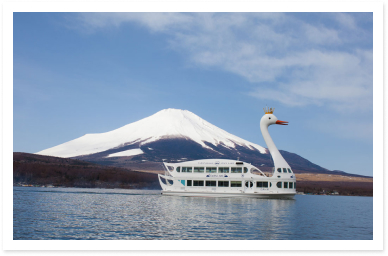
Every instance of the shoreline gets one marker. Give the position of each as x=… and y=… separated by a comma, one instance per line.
x=150, y=188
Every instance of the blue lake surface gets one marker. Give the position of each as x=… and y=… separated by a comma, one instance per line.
x=79, y=213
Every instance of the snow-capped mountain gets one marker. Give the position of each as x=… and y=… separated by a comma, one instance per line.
x=167, y=123
x=170, y=135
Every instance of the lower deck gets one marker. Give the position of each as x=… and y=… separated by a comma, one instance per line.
x=232, y=187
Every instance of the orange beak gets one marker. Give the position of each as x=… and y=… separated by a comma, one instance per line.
x=282, y=122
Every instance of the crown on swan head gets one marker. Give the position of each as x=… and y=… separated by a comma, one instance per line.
x=268, y=110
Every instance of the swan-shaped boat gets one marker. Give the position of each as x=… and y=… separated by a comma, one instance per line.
x=232, y=178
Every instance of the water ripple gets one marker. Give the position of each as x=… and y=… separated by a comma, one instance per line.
x=75, y=213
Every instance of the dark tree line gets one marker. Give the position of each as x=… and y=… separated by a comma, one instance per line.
x=36, y=172
x=343, y=188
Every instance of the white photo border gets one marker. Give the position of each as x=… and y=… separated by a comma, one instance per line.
x=190, y=6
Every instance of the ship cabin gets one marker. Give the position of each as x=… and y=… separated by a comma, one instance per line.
x=220, y=175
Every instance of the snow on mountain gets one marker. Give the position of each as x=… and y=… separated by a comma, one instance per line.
x=130, y=152
x=167, y=123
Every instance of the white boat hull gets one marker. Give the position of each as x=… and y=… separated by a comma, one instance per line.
x=215, y=194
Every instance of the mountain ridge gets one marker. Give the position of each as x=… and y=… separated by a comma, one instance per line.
x=169, y=123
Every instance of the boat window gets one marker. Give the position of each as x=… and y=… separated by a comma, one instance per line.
x=223, y=169
x=236, y=170
x=170, y=182
x=262, y=184
x=211, y=183
x=235, y=184
x=295, y=185
x=163, y=180
x=187, y=169
x=197, y=183
x=248, y=184
x=285, y=170
x=222, y=183
x=199, y=169
x=170, y=168
x=211, y=169
x=279, y=169
x=279, y=184
x=255, y=171
x=245, y=170
x=285, y=184
x=290, y=185
x=183, y=182
x=270, y=184
x=178, y=169
x=289, y=170
x=189, y=183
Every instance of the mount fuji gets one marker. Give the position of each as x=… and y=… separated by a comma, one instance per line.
x=170, y=135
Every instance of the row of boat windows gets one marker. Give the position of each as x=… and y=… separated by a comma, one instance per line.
x=221, y=183
x=213, y=169
x=284, y=170
x=224, y=183
x=286, y=184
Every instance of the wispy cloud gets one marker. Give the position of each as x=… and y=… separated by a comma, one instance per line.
x=346, y=20
x=295, y=60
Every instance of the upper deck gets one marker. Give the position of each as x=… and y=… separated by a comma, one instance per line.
x=220, y=168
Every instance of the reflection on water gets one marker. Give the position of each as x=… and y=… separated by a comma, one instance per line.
x=74, y=213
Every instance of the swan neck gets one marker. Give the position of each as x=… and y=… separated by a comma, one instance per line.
x=278, y=159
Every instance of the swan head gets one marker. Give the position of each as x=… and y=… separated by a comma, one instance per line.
x=269, y=119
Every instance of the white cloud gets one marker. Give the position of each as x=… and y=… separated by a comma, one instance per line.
x=346, y=20
x=158, y=22
x=288, y=59
x=321, y=35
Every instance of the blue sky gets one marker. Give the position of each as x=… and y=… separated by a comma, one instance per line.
x=78, y=73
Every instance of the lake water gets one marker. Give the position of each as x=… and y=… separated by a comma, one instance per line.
x=78, y=213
